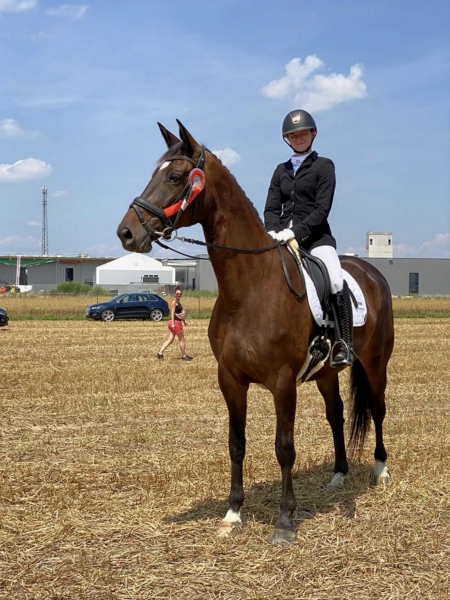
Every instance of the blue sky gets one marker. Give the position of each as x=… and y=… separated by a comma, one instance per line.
x=82, y=86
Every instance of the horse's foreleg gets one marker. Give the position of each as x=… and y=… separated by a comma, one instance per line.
x=235, y=395
x=285, y=397
x=329, y=388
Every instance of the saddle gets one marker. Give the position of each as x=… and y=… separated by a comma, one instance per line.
x=318, y=272
x=316, y=269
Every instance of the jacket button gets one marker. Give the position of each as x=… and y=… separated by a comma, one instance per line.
x=292, y=193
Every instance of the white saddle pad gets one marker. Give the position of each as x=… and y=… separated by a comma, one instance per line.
x=359, y=313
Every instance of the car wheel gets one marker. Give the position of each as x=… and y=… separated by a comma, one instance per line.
x=156, y=314
x=108, y=315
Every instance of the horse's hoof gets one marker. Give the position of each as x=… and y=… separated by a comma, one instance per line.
x=337, y=483
x=282, y=536
x=381, y=474
x=229, y=529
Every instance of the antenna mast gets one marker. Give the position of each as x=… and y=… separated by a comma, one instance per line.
x=44, y=222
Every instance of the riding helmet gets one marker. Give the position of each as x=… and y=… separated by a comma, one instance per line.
x=298, y=120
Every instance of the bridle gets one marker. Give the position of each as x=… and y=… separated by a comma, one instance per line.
x=193, y=187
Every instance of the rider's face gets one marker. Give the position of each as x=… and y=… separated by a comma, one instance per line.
x=301, y=140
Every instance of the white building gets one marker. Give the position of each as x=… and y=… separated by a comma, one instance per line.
x=379, y=245
x=133, y=269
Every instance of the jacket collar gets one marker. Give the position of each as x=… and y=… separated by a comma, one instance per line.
x=309, y=159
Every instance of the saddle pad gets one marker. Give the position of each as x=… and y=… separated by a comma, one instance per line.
x=359, y=313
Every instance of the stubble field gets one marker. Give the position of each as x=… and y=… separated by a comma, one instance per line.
x=114, y=475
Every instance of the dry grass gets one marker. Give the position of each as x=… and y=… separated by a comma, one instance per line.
x=35, y=306
x=114, y=476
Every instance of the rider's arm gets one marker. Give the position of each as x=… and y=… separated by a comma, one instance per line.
x=273, y=208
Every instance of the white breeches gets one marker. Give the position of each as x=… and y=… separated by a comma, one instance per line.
x=330, y=257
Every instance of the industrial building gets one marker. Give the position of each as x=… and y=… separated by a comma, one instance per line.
x=406, y=276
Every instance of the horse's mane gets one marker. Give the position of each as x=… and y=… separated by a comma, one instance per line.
x=237, y=185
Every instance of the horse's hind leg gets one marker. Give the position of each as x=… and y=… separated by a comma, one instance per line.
x=377, y=381
x=368, y=390
x=235, y=395
x=329, y=388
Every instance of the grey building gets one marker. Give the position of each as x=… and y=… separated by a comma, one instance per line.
x=410, y=276
x=406, y=276
x=44, y=273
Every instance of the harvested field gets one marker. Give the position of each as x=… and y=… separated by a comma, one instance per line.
x=114, y=475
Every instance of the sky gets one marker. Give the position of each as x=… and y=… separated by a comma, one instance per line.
x=83, y=85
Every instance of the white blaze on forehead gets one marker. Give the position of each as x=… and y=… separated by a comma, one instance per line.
x=164, y=165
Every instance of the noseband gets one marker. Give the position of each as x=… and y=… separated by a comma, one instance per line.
x=193, y=187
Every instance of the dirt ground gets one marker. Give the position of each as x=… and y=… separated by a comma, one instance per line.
x=114, y=475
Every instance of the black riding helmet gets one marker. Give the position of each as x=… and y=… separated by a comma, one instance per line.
x=297, y=120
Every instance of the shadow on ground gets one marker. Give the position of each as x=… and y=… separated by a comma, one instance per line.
x=262, y=500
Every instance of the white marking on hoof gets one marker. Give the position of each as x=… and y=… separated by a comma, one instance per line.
x=230, y=523
x=337, y=483
x=381, y=473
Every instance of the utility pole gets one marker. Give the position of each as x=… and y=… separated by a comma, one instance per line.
x=44, y=222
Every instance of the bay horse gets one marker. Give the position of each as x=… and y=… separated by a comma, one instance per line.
x=259, y=331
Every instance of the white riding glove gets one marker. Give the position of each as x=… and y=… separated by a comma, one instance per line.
x=285, y=235
x=275, y=235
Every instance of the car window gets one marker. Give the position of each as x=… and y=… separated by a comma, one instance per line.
x=142, y=298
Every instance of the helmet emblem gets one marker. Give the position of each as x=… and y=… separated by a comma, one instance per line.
x=296, y=118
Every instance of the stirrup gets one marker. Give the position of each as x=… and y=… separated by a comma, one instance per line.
x=345, y=361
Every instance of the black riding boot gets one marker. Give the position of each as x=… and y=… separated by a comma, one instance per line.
x=342, y=351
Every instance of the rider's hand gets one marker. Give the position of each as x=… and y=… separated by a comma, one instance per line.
x=285, y=235
x=275, y=235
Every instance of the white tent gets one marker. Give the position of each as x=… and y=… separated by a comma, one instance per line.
x=134, y=268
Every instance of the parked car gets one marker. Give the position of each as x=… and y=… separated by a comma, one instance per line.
x=4, y=319
x=137, y=305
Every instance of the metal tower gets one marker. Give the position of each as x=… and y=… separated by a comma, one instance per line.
x=44, y=222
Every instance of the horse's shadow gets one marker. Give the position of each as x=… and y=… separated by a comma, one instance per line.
x=311, y=490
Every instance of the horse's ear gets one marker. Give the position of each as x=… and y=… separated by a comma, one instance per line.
x=170, y=138
x=192, y=147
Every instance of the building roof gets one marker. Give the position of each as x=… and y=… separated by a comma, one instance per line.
x=135, y=262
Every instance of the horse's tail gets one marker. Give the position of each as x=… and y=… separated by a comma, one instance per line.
x=360, y=413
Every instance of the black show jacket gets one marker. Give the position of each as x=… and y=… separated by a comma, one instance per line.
x=302, y=201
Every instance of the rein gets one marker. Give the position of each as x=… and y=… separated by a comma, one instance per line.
x=244, y=251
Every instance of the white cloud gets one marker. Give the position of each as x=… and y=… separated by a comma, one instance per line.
x=6, y=241
x=38, y=36
x=24, y=170
x=59, y=193
x=16, y=5
x=70, y=11
x=105, y=250
x=228, y=156
x=315, y=92
x=20, y=245
x=9, y=128
x=33, y=224
x=438, y=245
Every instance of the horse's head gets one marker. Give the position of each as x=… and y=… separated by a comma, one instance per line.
x=167, y=201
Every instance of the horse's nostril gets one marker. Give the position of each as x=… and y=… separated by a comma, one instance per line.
x=126, y=234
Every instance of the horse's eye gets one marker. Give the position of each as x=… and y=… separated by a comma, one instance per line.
x=174, y=177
